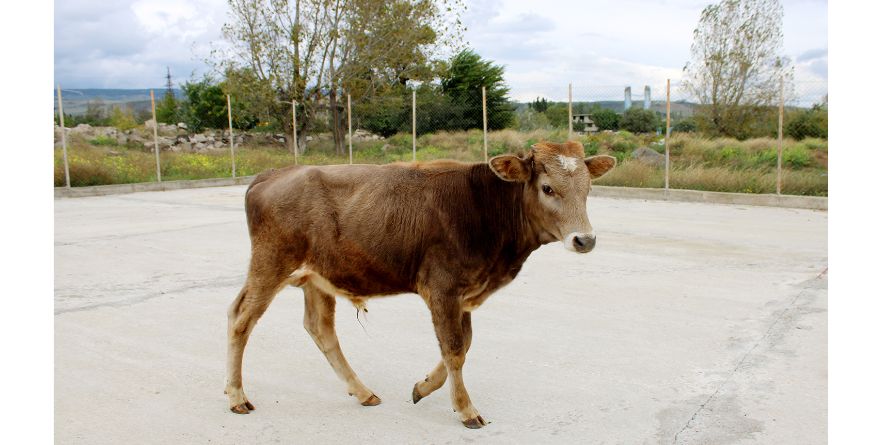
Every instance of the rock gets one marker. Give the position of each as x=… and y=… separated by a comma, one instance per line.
x=649, y=156
x=363, y=135
x=198, y=138
x=81, y=129
x=150, y=124
x=182, y=125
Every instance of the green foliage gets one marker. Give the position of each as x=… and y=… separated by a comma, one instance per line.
x=605, y=119
x=557, y=115
x=811, y=123
x=796, y=156
x=638, y=120
x=206, y=106
x=167, y=110
x=685, y=126
x=102, y=140
x=540, y=105
x=528, y=119
x=461, y=82
x=384, y=116
x=122, y=118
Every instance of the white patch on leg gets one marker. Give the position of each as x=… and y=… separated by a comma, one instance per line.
x=569, y=163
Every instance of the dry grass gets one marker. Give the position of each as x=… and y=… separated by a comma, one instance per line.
x=719, y=164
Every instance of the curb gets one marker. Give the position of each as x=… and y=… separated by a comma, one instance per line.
x=116, y=189
x=765, y=200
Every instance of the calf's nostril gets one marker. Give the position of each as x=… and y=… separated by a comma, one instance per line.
x=584, y=243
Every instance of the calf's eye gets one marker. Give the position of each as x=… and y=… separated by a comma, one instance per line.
x=547, y=189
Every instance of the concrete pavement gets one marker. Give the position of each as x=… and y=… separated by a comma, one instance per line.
x=690, y=323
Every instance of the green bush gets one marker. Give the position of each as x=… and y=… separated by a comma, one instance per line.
x=811, y=123
x=796, y=156
x=638, y=120
x=103, y=140
x=685, y=126
x=606, y=119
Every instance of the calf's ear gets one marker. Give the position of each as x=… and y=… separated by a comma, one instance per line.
x=511, y=168
x=599, y=165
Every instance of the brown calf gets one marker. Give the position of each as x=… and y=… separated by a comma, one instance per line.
x=451, y=232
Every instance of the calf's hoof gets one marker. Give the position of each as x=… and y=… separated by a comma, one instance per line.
x=371, y=401
x=243, y=408
x=474, y=423
x=416, y=396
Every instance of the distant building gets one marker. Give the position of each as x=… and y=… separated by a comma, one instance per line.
x=588, y=123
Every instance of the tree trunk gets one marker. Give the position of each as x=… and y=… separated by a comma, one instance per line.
x=302, y=135
x=335, y=123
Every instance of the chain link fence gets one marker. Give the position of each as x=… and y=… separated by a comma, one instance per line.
x=761, y=148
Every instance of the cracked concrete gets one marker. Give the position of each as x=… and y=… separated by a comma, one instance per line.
x=689, y=324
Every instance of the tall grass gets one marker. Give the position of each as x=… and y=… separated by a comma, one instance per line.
x=718, y=164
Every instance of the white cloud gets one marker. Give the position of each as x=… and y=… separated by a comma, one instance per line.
x=600, y=46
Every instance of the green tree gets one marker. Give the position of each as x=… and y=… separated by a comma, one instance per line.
x=812, y=123
x=557, y=114
x=736, y=67
x=638, y=120
x=462, y=82
x=122, y=118
x=206, y=106
x=605, y=119
x=313, y=51
x=167, y=111
x=540, y=105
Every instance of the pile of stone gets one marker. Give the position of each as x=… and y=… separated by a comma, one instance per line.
x=179, y=138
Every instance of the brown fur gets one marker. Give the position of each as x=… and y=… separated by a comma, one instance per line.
x=451, y=232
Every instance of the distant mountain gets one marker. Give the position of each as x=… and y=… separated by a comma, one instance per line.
x=75, y=100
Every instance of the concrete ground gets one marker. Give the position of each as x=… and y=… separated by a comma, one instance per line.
x=689, y=323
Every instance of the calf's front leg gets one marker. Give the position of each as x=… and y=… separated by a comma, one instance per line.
x=453, y=328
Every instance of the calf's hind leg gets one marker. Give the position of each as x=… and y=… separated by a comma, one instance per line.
x=320, y=323
x=243, y=313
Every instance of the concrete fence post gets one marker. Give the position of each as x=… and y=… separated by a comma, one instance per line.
x=350, y=135
x=294, y=133
x=569, y=106
x=231, y=135
x=156, y=143
x=413, y=125
x=485, y=149
x=668, y=138
x=61, y=121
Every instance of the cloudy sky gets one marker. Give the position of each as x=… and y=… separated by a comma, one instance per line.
x=599, y=46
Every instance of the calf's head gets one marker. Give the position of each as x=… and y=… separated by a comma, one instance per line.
x=556, y=180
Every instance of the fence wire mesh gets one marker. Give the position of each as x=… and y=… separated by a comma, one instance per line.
x=710, y=146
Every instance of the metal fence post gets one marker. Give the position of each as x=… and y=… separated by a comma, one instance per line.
x=413, y=125
x=780, y=142
x=668, y=138
x=294, y=133
x=485, y=149
x=231, y=135
x=350, y=135
x=569, y=106
x=61, y=121
x=156, y=144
